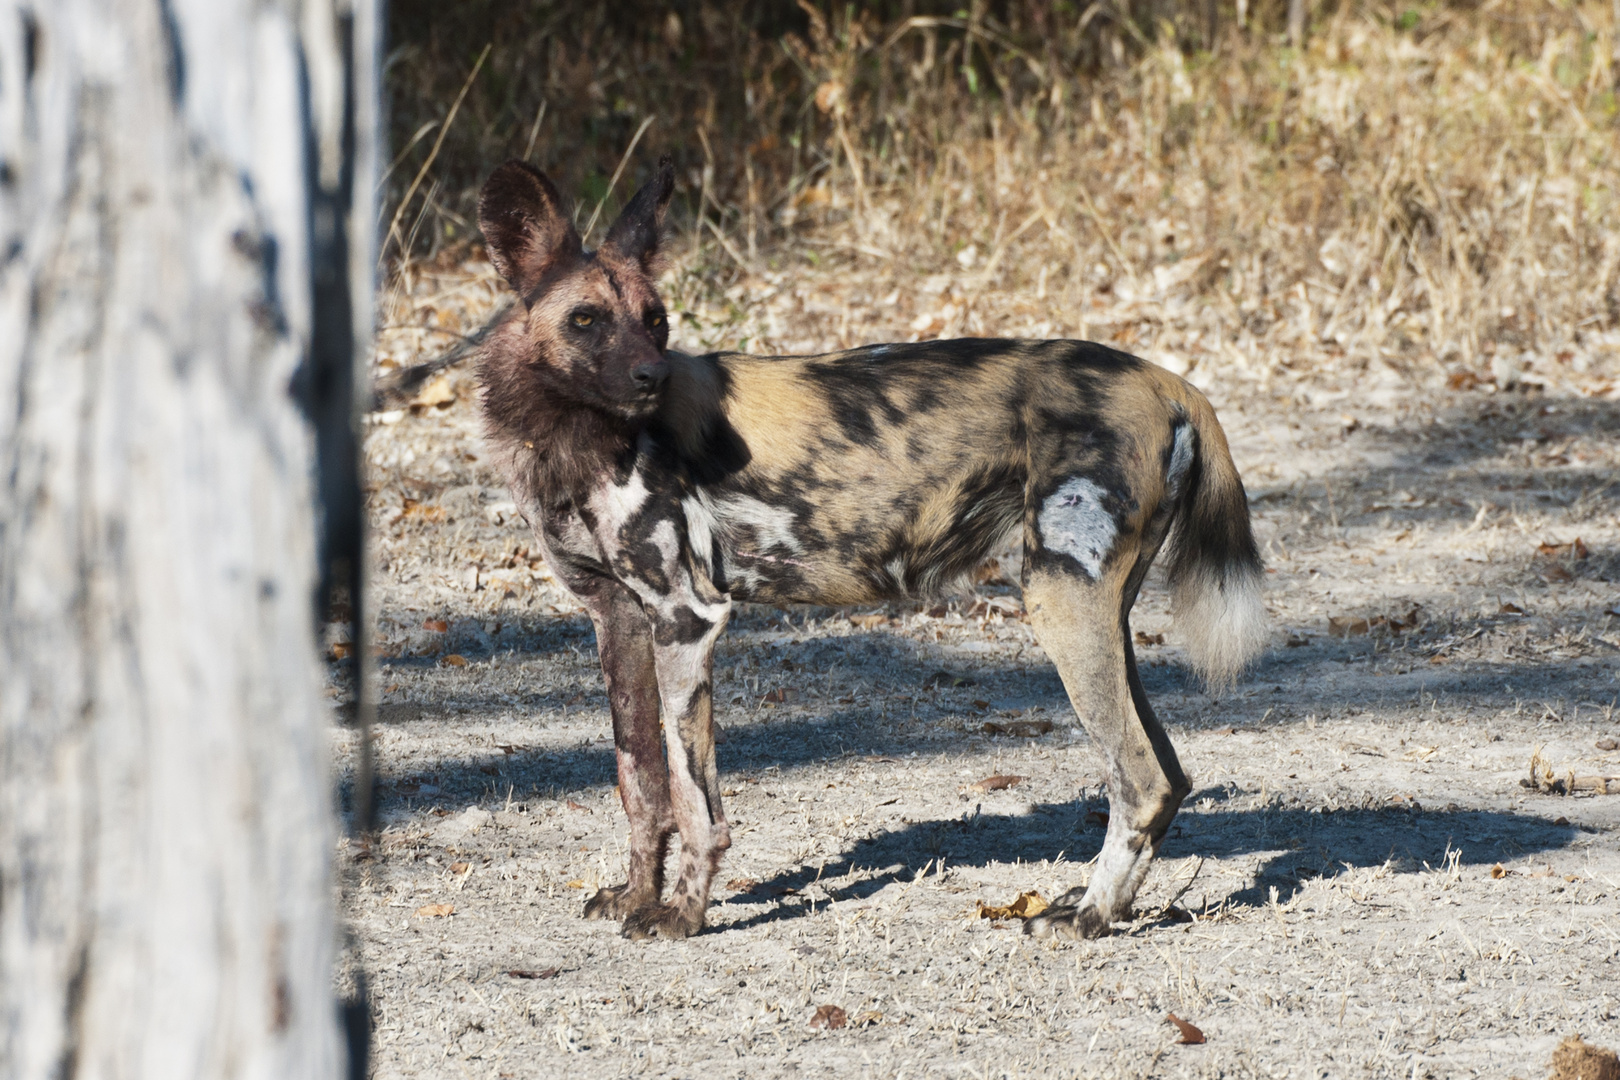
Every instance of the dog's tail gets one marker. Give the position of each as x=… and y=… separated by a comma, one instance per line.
x=1214, y=567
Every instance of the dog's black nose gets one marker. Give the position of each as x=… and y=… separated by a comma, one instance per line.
x=650, y=377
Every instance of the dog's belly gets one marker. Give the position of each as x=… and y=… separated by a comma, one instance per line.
x=842, y=550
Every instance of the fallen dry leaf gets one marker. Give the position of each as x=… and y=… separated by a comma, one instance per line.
x=830, y=1017
x=1026, y=906
x=1498, y=872
x=1347, y=626
x=1004, y=606
x=782, y=695
x=416, y=508
x=1190, y=1035
x=1574, y=549
x=741, y=884
x=1577, y=1059
x=572, y=805
x=867, y=622
x=575, y=884
x=1351, y=626
x=456, y=660
x=459, y=868
x=1462, y=380
x=1607, y=743
x=869, y=1018
x=997, y=783
x=342, y=650
x=522, y=973
x=438, y=626
x=435, y=911
x=1149, y=639
x=1420, y=753
x=1510, y=609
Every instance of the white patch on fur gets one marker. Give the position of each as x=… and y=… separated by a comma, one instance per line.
x=1074, y=522
x=1181, y=461
x=1121, y=867
x=1224, y=622
x=616, y=504
x=896, y=568
x=668, y=544
x=772, y=525
x=700, y=530
x=750, y=531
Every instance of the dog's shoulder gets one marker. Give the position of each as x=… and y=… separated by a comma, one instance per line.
x=692, y=406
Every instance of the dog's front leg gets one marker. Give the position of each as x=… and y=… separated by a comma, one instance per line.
x=625, y=644
x=684, y=631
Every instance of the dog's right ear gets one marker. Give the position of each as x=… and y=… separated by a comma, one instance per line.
x=524, y=225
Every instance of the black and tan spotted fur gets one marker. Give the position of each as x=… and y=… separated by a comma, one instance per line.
x=663, y=486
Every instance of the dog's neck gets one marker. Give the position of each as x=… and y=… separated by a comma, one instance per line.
x=556, y=448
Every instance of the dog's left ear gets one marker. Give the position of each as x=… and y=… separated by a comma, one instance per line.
x=635, y=235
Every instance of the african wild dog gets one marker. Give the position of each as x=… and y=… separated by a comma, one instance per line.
x=662, y=486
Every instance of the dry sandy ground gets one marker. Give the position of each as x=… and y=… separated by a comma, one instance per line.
x=1361, y=884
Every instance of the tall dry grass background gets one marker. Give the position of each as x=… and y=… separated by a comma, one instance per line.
x=1426, y=195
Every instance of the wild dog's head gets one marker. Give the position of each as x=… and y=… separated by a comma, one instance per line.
x=595, y=331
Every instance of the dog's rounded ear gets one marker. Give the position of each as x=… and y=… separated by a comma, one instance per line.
x=524, y=225
x=635, y=235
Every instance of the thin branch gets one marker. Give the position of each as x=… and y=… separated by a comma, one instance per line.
x=400, y=385
x=623, y=161
x=444, y=129
x=534, y=132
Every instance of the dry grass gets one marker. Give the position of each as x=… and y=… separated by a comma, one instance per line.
x=1431, y=192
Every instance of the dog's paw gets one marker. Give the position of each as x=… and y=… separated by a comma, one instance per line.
x=668, y=921
x=1070, y=922
x=617, y=902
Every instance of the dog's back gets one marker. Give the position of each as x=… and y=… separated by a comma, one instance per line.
x=892, y=470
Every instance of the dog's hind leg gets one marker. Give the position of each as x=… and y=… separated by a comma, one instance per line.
x=624, y=641
x=1082, y=625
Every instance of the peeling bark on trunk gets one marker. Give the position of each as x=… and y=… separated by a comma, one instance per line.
x=166, y=827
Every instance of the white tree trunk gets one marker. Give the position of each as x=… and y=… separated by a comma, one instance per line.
x=166, y=828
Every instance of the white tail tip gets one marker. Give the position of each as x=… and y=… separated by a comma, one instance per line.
x=1225, y=624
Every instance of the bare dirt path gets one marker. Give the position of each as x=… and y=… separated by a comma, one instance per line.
x=1372, y=890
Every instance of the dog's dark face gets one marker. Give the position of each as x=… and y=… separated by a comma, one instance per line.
x=596, y=330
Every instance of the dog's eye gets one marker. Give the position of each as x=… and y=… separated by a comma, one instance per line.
x=582, y=319
x=655, y=320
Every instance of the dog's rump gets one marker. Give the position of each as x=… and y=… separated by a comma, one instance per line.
x=892, y=470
